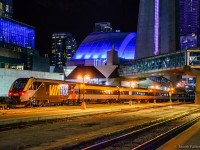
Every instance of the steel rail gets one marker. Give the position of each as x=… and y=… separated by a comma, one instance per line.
x=106, y=143
x=154, y=142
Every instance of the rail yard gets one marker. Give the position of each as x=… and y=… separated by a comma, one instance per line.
x=69, y=127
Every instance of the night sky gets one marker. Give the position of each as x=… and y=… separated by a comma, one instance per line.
x=74, y=16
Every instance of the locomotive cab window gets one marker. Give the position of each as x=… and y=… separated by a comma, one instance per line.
x=34, y=85
x=19, y=84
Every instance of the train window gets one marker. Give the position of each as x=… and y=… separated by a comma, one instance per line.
x=31, y=87
x=102, y=92
x=138, y=93
x=134, y=93
x=20, y=84
x=89, y=91
x=115, y=92
x=126, y=92
x=34, y=85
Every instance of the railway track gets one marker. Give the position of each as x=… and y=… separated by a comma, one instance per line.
x=149, y=136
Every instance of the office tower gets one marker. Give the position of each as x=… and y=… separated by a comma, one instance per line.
x=102, y=27
x=63, y=48
x=6, y=8
x=17, y=43
x=16, y=33
x=17, y=40
x=189, y=23
x=157, y=28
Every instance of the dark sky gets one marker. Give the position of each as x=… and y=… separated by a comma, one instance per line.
x=74, y=16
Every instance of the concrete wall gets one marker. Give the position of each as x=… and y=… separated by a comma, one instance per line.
x=9, y=53
x=7, y=76
x=40, y=63
x=145, y=30
x=169, y=26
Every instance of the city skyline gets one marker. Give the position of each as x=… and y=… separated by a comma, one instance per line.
x=77, y=17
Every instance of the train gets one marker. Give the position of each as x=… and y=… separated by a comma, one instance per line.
x=38, y=91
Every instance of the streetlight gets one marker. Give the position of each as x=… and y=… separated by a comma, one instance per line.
x=171, y=90
x=132, y=85
x=83, y=105
x=154, y=87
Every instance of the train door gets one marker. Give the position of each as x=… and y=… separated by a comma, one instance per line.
x=31, y=90
x=34, y=92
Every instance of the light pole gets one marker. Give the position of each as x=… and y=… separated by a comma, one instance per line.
x=154, y=87
x=171, y=90
x=83, y=105
x=132, y=85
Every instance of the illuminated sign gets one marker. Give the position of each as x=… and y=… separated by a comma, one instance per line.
x=57, y=90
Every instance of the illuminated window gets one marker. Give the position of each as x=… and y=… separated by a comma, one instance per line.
x=20, y=67
x=7, y=8
x=0, y=6
x=6, y=66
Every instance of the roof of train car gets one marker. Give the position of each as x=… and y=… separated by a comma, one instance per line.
x=89, y=84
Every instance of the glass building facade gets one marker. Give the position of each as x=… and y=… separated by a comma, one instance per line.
x=12, y=32
x=6, y=8
x=189, y=23
x=63, y=48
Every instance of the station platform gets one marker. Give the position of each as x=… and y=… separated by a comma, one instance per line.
x=19, y=115
x=187, y=140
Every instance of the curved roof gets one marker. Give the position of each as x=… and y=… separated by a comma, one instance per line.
x=97, y=44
